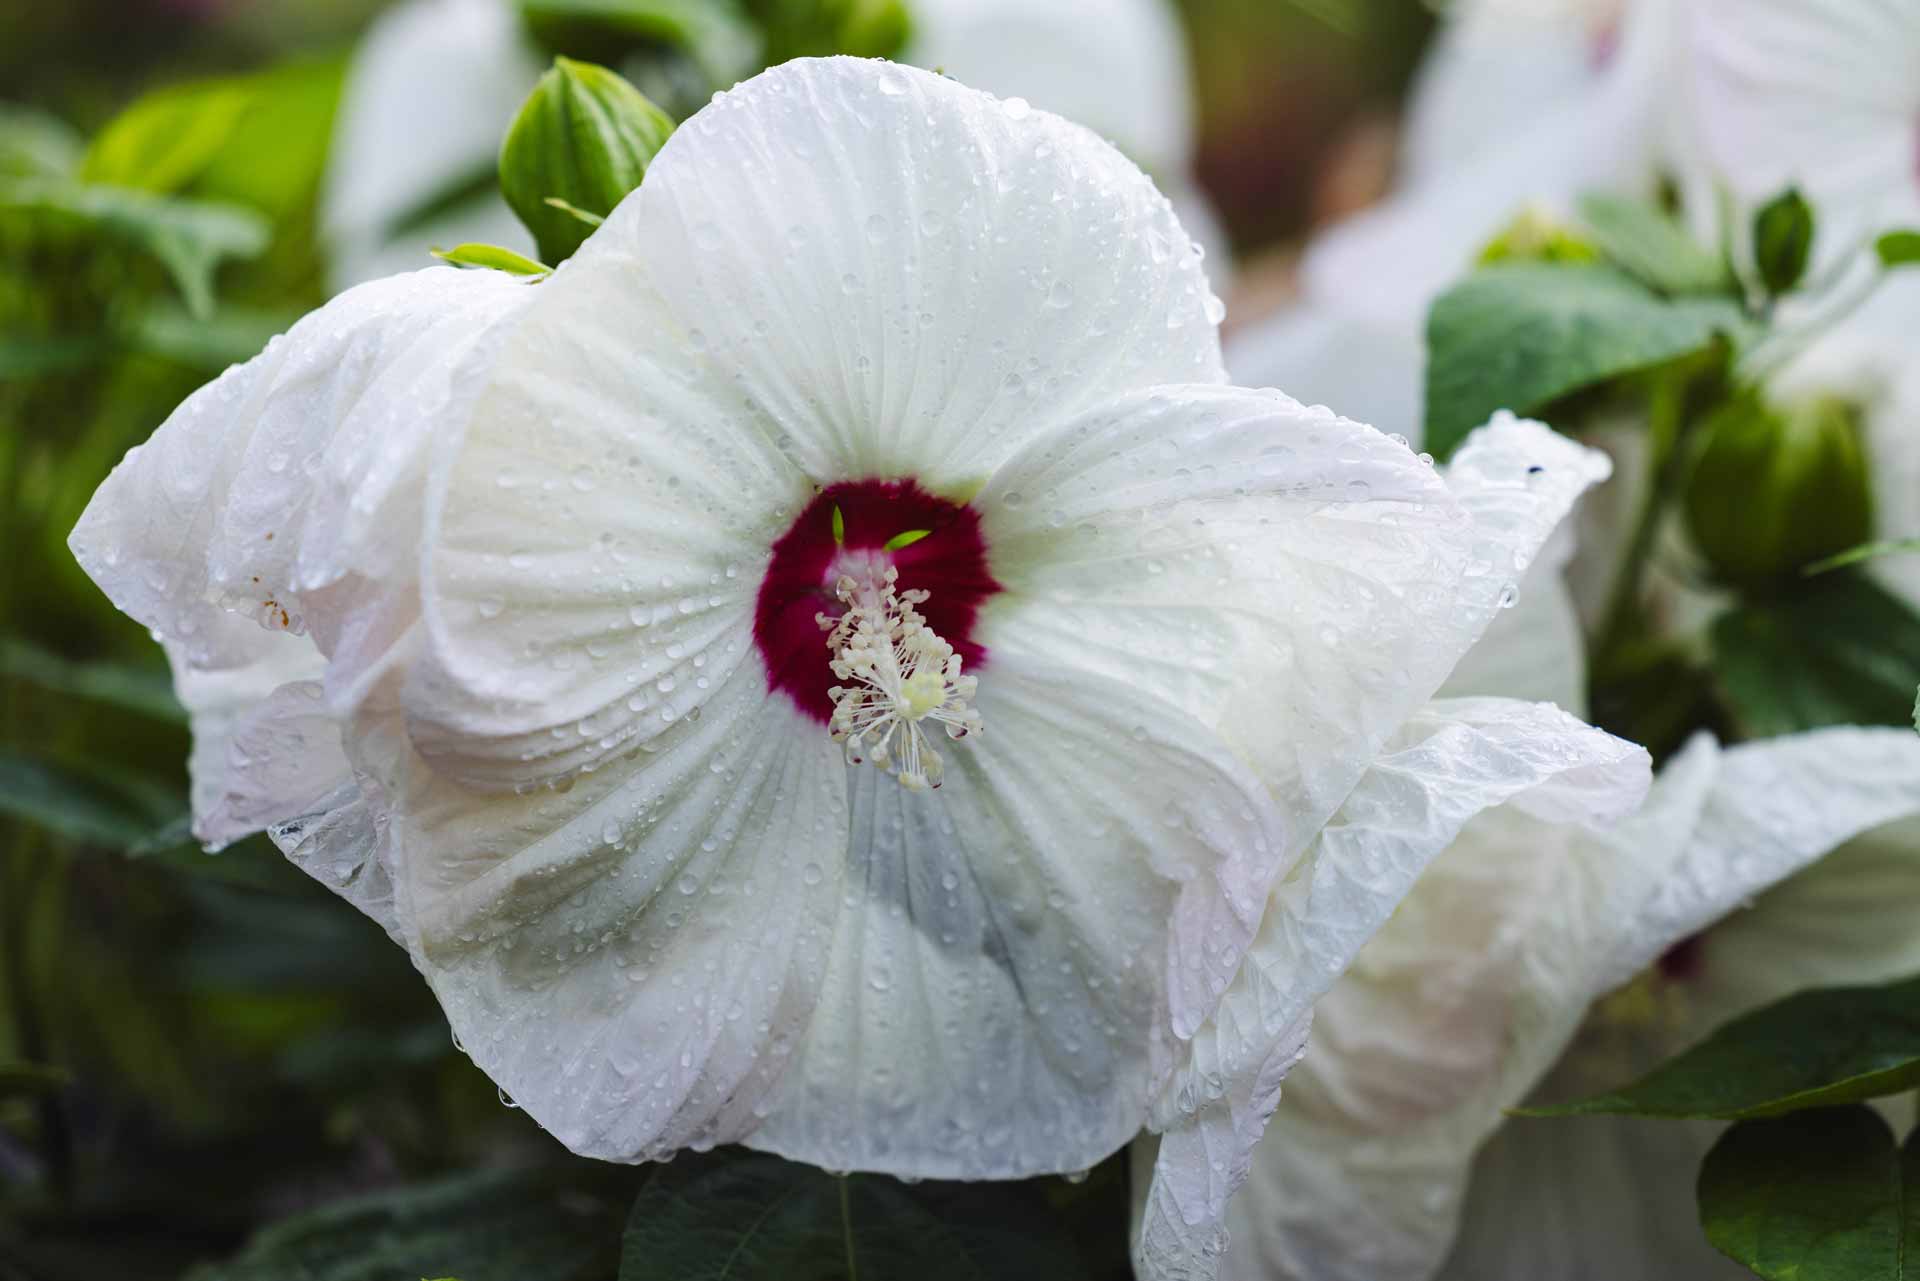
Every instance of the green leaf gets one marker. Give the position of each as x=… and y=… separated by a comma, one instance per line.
x=1651, y=246
x=1898, y=248
x=166, y=139
x=230, y=335
x=20, y=1080
x=190, y=238
x=584, y=136
x=25, y=356
x=36, y=145
x=492, y=257
x=1865, y=552
x=1782, y=240
x=1817, y=1196
x=715, y=34
x=500, y=1226
x=742, y=1216
x=1812, y=1050
x=1521, y=335
x=147, y=690
x=92, y=807
x=1833, y=650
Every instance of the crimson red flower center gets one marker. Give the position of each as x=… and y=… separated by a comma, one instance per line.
x=860, y=528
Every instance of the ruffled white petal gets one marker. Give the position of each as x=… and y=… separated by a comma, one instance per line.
x=1461, y=1004
x=1446, y=765
x=1534, y=650
x=899, y=275
x=1119, y=67
x=431, y=90
x=285, y=496
x=997, y=1001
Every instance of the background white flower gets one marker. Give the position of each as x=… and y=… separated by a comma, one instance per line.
x=561, y=546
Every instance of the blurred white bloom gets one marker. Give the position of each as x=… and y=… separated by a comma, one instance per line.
x=565, y=725
x=1463, y=1002
x=434, y=84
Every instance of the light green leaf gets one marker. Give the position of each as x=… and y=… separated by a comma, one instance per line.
x=1833, y=650
x=1898, y=248
x=91, y=807
x=168, y=138
x=498, y=1226
x=1817, y=1196
x=576, y=213
x=1865, y=552
x=586, y=137
x=190, y=238
x=1521, y=335
x=906, y=538
x=1652, y=246
x=1782, y=240
x=492, y=257
x=1812, y=1050
x=740, y=1216
x=34, y=144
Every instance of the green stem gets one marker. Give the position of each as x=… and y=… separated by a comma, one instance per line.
x=846, y=1231
x=1667, y=433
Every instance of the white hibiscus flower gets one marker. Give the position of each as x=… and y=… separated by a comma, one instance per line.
x=1460, y=1007
x=575, y=561
x=434, y=84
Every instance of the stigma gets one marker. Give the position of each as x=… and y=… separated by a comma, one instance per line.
x=898, y=679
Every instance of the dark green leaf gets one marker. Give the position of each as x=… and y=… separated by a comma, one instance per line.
x=1817, y=1196
x=1837, y=649
x=738, y=1216
x=511, y=1226
x=94, y=808
x=1812, y=1050
x=25, y=356
x=18, y=1080
x=147, y=690
x=492, y=257
x=1898, y=248
x=1651, y=246
x=1521, y=335
x=190, y=238
x=584, y=136
x=1782, y=240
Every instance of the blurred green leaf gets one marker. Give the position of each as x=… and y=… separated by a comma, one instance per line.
x=147, y=690
x=738, y=1216
x=1817, y=1196
x=1650, y=245
x=1837, y=649
x=1521, y=335
x=584, y=136
x=492, y=257
x=25, y=356
x=1898, y=248
x=1812, y=1050
x=92, y=807
x=559, y=1225
x=168, y=138
x=190, y=238
x=22, y=1080
x=1782, y=240
x=232, y=334
x=714, y=33
x=34, y=144
x=818, y=28
x=1865, y=552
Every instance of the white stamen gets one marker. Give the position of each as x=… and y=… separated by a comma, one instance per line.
x=900, y=673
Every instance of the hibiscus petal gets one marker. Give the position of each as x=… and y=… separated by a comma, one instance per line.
x=995, y=1006
x=903, y=276
x=632, y=957
x=250, y=509
x=1446, y=765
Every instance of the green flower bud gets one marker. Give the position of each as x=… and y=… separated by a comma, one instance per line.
x=1534, y=235
x=584, y=139
x=1778, y=488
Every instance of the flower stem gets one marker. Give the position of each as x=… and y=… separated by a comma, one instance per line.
x=1668, y=432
